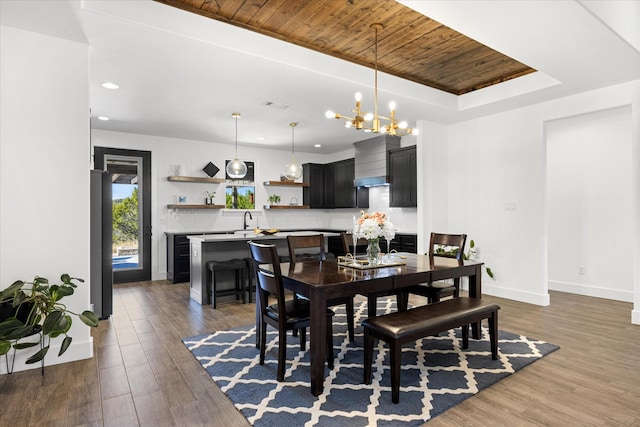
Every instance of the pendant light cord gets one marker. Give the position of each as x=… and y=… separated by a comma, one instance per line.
x=236, y=117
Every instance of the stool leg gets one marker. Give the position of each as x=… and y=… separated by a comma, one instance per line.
x=213, y=289
x=243, y=286
x=207, y=297
x=238, y=284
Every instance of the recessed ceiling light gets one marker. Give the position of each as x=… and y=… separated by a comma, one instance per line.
x=103, y=118
x=261, y=138
x=318, y=145
x=109, y=85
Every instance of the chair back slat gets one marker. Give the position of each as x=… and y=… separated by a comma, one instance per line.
x=447, y=245
x=315, y=242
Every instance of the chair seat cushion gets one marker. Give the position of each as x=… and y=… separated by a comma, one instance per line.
x=297, y=310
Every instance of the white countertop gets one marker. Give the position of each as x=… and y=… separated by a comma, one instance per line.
x=250, y=235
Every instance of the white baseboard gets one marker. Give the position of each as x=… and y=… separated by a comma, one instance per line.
x=591, y=291
x=78, y=350
x=516, y=295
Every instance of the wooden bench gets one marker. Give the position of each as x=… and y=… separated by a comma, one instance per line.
x=408, y=326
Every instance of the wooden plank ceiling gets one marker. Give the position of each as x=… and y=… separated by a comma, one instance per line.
x=411, y=45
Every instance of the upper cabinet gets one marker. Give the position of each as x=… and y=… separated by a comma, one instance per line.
x=403, y=192
x=331, y=186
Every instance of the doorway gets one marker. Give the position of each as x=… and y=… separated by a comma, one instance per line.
x=589, y=183
x=131, y=206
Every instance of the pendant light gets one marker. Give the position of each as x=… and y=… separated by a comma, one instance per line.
x=293, y=170
x=236, y=169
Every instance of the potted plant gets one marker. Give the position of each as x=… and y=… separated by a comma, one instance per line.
x=34, y=308
x=469, y=255
x=210, y=196
x=274, y=199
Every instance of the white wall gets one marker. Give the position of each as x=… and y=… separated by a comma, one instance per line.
x=44, y=173
x=589, y=208
x=497, y=188
x=167, y=153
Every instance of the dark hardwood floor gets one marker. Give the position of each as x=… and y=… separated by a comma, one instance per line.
x=142, y=374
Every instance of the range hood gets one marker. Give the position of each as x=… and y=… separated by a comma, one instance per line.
x=372, y=160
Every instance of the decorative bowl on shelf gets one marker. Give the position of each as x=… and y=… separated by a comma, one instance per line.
x=266, y=232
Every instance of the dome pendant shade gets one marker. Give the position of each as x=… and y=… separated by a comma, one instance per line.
x=236, y=169
x=293, y=170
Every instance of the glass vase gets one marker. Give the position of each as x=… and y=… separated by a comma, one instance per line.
x=373, y=251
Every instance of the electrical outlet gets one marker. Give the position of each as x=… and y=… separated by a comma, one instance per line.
x=509, y=206
x=581, y=269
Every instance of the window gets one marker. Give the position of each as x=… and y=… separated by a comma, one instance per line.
x=240, y=197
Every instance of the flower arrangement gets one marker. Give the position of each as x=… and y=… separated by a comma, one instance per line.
x=372, y=226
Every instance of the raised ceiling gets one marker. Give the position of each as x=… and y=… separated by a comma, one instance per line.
x=411, y=45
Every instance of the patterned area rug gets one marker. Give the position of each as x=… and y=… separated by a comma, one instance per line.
x=436, y=375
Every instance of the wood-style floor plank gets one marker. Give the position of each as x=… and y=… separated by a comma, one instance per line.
x=143, y=375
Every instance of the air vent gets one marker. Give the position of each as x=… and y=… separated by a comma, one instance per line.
x=276, y=104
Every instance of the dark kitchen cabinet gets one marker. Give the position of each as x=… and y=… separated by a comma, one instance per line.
x=313, y=196
x=405, y=243
x=331, y=186
x=403, y=191
x=178, y=258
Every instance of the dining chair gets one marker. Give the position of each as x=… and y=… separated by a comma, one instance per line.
x=284, y=315
x=442, y=246
x=347, y=244
x=312, y=248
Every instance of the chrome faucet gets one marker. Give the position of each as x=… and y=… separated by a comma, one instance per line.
x=244, y=227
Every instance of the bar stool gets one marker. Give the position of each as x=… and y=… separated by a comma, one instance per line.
x=251, y=278
x=239, y=267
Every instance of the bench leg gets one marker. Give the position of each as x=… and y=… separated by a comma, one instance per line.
x=368, y=356
x=465, y=336
x=493, y=334
x=475, y=330
x=395, y=353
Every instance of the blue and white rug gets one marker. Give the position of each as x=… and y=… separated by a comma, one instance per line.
x=437, y=374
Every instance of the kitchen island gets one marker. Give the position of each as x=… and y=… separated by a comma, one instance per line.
x=223, y=247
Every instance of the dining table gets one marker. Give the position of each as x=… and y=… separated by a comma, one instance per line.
x=320, y=281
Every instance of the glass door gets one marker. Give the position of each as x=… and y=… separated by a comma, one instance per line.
x=131, y=195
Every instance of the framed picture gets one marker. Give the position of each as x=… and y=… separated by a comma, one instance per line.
x=181, y=199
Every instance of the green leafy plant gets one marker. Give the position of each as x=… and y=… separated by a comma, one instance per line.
x=274, y=199
x=30, y=308
x=469, y=255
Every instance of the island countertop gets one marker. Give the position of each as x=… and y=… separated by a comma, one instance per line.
x=250, y=235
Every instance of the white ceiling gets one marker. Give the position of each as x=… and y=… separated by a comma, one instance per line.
x=182, y=75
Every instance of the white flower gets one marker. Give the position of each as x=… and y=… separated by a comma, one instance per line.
x=374, y=226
